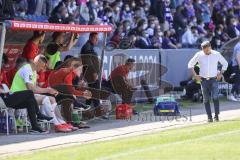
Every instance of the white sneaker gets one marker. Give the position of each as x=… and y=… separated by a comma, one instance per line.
x=232, y=98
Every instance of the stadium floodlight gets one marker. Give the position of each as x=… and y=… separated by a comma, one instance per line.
x=52, y=27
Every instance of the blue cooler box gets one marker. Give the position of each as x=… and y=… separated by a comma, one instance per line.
x=167, y=108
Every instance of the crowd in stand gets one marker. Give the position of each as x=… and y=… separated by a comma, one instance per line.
x=167, y=24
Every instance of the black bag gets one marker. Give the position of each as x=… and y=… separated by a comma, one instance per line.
x=229, y=75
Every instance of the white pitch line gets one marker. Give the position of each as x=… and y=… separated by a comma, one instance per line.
x=168, y=144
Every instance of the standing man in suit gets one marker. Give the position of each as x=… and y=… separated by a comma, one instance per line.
x=209, y=75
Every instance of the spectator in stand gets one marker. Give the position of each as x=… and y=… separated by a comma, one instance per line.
x=230, y=15
x=118, y=35
x=84, y=16
x=151, y=27
x=232, y=28
x=116, y=11
x=127, y=13
x=179, y=22
x=168, y=15
x=206, y=12
x=157, y=38
x=56, y=46
x=32, y=5
x=133, y=39
x=190, y=37
x=190, y=12
x=236, y=6
x=198, y=9
x=144, y=41
x=201, y=28
x=126, y=27
x=159, y=10
x=61, y=12
x=108, y=17
x=31, y=49
x=139, y=13
x=141, y=26
x=21, y=8
x=219, y=38
x=166, y=42
x=92, y=5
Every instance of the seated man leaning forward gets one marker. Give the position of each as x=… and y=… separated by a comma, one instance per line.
x=119, y=81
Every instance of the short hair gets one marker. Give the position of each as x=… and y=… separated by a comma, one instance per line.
x=92, y=34
x=41, y=58
x=205, y=44
x=130, y=60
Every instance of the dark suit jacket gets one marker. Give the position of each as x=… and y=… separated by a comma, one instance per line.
x=143, y=45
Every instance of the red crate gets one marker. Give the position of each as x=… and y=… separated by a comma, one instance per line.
x=124, y=111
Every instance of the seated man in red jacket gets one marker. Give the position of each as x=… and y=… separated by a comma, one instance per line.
x=119, y=81
x=62, y=80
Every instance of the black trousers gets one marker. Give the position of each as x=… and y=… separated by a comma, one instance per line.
x=121, y=87
x=96, y=102
x=22, y=100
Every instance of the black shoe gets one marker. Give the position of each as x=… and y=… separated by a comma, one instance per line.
x=38, y=130
x=216, y=118
x=135, y=112
x=81, y=106
x=210, y=120
x=41, y=116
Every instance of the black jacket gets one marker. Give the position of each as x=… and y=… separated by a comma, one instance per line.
x=90, y=61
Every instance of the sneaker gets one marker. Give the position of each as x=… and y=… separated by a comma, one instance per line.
x=232, y=98
x=62, y=128
x=68, y=125
x=41, y=116
x=38, y=130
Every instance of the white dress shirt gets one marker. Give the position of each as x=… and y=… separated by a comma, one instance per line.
x=208, y=63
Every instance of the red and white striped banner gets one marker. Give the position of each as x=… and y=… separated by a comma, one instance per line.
x=52, y=27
